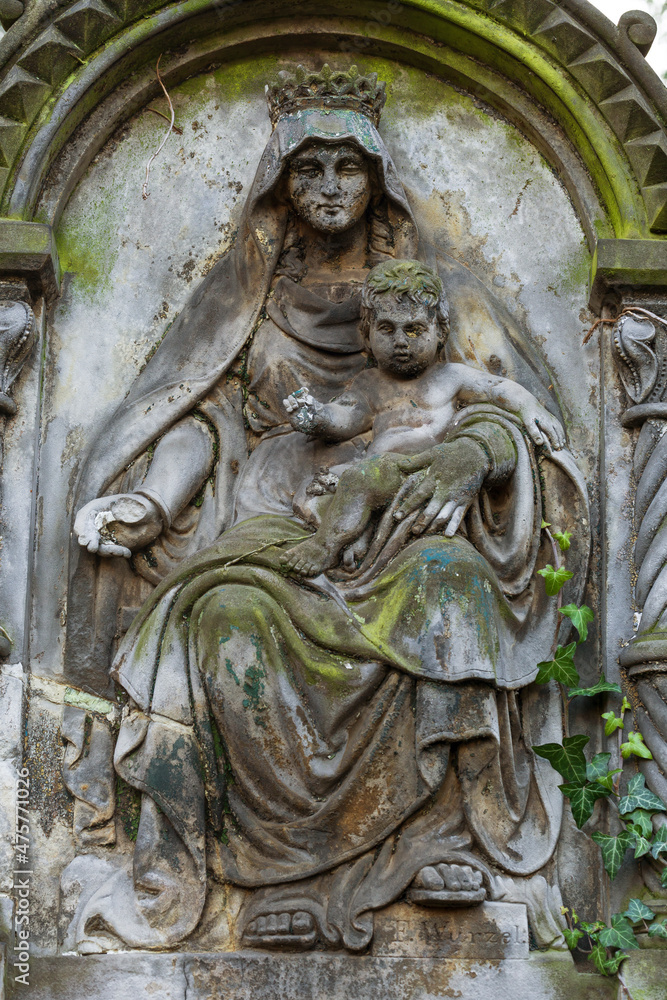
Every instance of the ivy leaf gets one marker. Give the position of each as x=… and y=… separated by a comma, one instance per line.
x=561, y=668
x=659, y=845
x=572, y=938
x=640, y=797
x=582, y=799
x=592, y=928
x=554, y=579
x=620, y=934
x=638, y=911
x=604, y=964
x=607, y=780
x=613, y=850
x=642, y=846
x=545, y=524
x=598, y=766
x=599, y=956
x=567, y=759
x=625, y=706
x=635, y=745
x=563, y=539
x=657, y=929
x=580, y=617
x=613, y=722
x=607, y=966
x=641, y=819
x=600, y=687
x=663, y=878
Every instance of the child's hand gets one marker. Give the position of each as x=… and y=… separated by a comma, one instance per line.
x=303, y=411
x=540, y=424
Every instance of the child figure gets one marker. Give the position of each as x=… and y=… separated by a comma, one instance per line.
x=407, y=402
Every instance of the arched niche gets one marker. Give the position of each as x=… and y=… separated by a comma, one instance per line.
x=560, y=70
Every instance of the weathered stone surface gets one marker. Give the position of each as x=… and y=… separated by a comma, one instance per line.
x=645, y=974
x=292, y=977
x=121, y=977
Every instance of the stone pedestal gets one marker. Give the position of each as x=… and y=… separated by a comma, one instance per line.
x=249, y=976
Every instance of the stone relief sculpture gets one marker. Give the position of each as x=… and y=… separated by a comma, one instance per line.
x=326, y=719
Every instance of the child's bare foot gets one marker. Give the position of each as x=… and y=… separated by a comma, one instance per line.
x=309, y=558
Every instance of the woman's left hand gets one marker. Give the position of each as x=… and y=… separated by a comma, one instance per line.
x=455, y=473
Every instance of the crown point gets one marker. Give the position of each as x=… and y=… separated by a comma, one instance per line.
x=330, y=89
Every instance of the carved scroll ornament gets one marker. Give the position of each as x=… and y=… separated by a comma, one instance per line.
x=17, y=336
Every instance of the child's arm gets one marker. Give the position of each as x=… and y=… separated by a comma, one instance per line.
x=341, y=420
x=482, y=387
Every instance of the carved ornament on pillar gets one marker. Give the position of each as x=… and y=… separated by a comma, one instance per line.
x=17, y=336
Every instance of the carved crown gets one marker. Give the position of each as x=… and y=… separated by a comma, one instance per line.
x=327, y=88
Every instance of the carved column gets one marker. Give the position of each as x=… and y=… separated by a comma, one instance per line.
x=628, y=284
x=29, y=277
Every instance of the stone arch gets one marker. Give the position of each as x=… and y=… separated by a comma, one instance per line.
x=551, y=67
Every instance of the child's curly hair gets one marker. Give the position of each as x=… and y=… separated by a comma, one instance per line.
x=404, y=279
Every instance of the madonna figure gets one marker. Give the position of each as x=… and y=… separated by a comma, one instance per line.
x=332, y=743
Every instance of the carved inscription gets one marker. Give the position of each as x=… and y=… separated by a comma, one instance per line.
x=491, y=931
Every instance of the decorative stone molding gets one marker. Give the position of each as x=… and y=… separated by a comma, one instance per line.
x=28, y=254
x=619, y=264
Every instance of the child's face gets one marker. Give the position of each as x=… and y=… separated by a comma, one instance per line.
x=403, y=337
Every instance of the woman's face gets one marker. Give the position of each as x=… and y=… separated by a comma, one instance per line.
x=328, y=186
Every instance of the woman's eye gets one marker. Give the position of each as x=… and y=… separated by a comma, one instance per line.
x=350, y=167
x=308, y=170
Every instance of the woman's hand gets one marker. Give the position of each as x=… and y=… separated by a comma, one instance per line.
x=455, y=473
x=116, y=525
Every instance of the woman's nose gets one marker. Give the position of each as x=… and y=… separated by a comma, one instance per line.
x=330, y=182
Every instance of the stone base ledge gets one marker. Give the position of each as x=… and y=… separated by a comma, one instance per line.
x=264, y=976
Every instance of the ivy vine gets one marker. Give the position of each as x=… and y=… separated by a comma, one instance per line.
x=587, y=780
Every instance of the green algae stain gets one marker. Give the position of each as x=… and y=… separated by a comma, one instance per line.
x=88, y=252
x=253, y=686
x=574, y=275
x=128, y=807
x=230, y=670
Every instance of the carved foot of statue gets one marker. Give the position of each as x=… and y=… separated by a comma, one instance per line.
x=281, y=930
x=447, y=885
x=354, y=553
x=310, y=557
